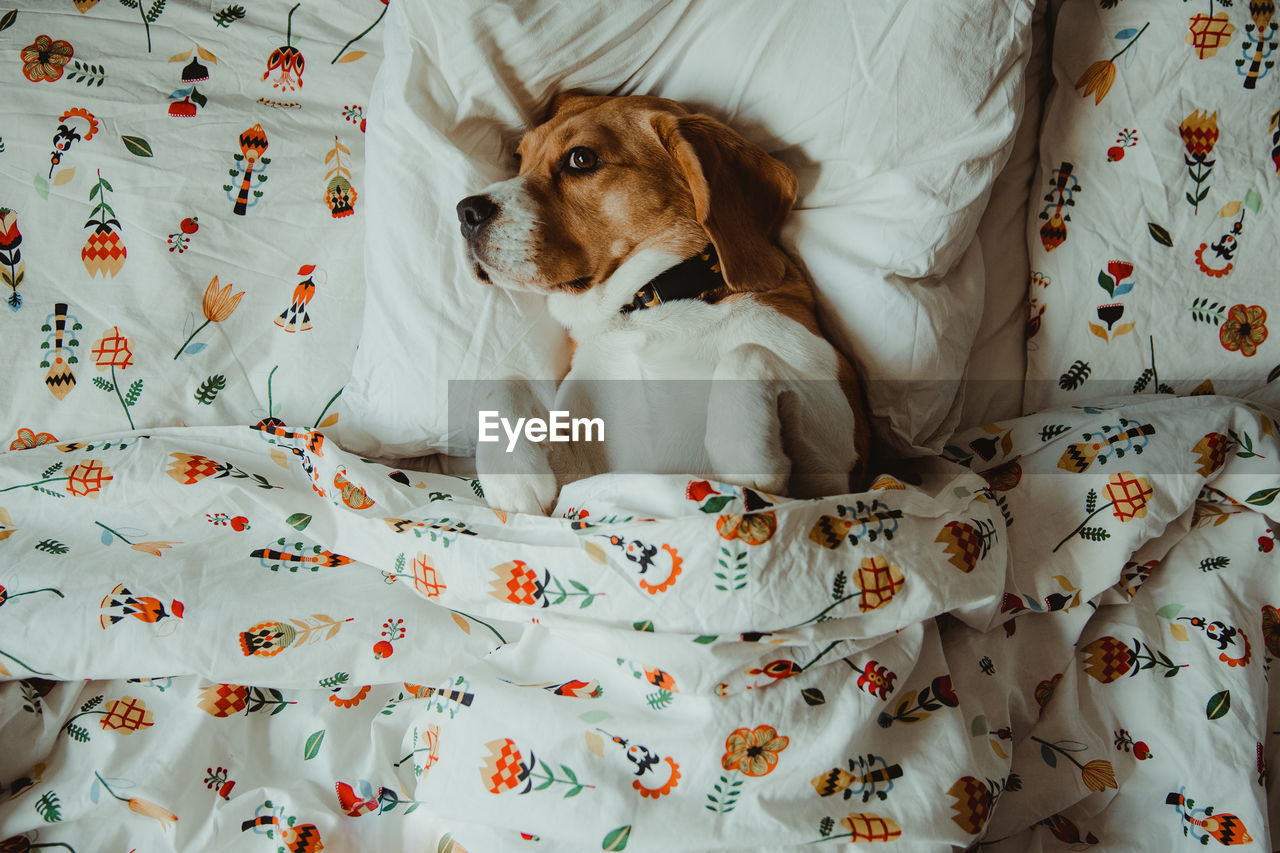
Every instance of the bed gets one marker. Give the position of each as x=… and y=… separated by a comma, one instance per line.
x=252, y=598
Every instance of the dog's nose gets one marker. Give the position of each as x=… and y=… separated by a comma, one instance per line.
x=473, y=212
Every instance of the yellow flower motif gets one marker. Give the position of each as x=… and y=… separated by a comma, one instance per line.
x=1244, y=329
x=879, y=581
x=753, y=752
x=1098, y=775
x=1097, y=79
x=126, y=715
x=1199, y=134
x=1129, y=493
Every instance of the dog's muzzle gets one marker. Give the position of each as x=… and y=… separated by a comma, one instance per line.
x=473, y=212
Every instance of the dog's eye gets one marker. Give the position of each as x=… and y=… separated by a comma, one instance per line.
x=581, y=160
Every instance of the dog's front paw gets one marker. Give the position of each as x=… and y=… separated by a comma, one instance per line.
x=532, y=494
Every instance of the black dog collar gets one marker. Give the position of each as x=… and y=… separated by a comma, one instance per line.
x=694, y=278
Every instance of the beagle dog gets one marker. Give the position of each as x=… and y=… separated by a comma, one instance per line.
x=653, y=232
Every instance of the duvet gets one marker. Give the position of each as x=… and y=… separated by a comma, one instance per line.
x=221, y=631
x=245, y=638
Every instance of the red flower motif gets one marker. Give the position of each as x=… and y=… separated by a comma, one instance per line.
x=45, y=58
x=1119, y=270
x=876, y=679
x=290, y=63
x=10, y=236
x=353, y=805
x=699, y=490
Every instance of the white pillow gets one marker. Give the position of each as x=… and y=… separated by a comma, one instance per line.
x=895, y=117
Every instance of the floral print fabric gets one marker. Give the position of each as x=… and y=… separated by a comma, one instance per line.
x=180, y=183
x=346, y=655
x=1152, y=233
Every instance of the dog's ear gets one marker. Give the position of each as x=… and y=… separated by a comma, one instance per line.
x=741, y=195
x=560, y=100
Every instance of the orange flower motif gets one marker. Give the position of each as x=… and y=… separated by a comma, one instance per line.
x=753, y=528
x=1244, y=329
x=112, y=350
x=86, y=479
x=426, y=579
x=27, y=439
x=191, y=468
x=361, y=695
x=753, y=752
x=515, y=582
x=146, y=808
x=223, y=700
x=1098, y=775
x=1129, y=493
x=503, y=768
x=1097, y=79
x=219, y=303
x=153, y=548
x=45, y=58
x=126, y=715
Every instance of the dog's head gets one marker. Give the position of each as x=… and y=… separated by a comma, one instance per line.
x=603, y=178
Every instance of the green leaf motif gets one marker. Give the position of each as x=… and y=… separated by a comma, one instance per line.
x=716, y=504
x=137, y=146
x=1251, y=199
x=135, y=391
x=813, y=696
x=209, y=389
x=42, y=187
x=1263, y=497
x=1218, y=706
x=617, y=839
x=298, y=521
x=8, y=19
x=1160, y=234
x=1107, y=283
x=312, y=749
x=1169, y=611
x=49, y=807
